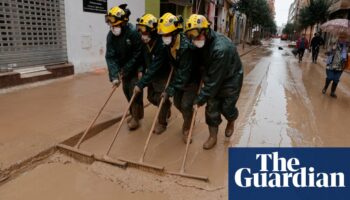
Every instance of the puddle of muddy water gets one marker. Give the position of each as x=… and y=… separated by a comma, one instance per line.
x=268, y=124
x=281, y=105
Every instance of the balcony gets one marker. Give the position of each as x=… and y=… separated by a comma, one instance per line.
x=340, y=5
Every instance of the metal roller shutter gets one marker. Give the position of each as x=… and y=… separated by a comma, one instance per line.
x=32, y=33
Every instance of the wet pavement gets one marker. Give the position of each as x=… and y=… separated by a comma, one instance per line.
x=287, y=108
x=281, y=105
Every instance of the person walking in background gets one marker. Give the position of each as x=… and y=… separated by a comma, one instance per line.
x=316, y=42
x=302, y=44
x=336, y=59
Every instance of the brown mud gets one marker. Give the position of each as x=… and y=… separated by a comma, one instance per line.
x=281, y=105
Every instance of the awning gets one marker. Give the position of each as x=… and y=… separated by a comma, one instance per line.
x=340, y=5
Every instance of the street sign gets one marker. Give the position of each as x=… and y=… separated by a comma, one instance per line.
x=95, y=6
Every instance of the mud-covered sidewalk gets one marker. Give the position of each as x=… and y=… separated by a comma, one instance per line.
x=281, y=105
x=35, y=118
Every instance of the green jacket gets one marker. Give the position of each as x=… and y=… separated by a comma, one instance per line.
x=222, y=68
x=155, y=62
x=123, y=54
x=184, y=70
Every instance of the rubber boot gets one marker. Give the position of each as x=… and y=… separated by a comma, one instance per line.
x=334, y=87
x=134, y=122
x=169, y=114
x=186, y=130
x=140, y=111
x=230, y=128
x=128, y=119
x=159, y=128
x=162, y=122
x=328, y=81
x=212, y=139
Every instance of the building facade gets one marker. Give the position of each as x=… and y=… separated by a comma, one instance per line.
x=292, y=13
x=271, y=4
x=43, y=33
x=340, y=9
x=86, y=33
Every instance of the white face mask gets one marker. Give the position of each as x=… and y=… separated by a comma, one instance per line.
x=198, y=43
x=116, y=31
x=146, y=38
x=167, y=40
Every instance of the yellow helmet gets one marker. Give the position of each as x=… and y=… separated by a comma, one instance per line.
x=195, y=24
x=147, y=21
x=116, y=16
x=168, y=23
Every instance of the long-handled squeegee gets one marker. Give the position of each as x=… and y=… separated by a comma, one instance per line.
x=105, y=158
x=182, y=170
x=76, y=149
x=141, y=162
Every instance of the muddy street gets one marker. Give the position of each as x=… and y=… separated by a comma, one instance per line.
x=286, y=106
x=281, y=105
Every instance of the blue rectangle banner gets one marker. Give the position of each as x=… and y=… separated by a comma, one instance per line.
x=289, y=173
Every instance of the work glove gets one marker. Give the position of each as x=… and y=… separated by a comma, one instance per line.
x=137, y=90
x=165, y=96
x=116, y=82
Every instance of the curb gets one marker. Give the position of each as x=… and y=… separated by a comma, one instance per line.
x=245, y=53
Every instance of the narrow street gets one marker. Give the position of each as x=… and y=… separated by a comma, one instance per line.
x=281, y=105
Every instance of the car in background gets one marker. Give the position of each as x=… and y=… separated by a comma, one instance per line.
x=284, y=37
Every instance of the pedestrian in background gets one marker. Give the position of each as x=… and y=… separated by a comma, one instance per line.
x=337, y=57
x=302, y=44
x=123, y=57
x=316, y=42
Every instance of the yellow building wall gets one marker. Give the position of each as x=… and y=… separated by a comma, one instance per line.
x=153, y=7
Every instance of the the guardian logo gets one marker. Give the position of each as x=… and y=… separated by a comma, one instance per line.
x=279, y=172
x=289, y=173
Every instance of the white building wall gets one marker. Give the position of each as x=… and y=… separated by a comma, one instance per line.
x=86, y=33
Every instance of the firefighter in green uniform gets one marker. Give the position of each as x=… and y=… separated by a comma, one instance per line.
x=123, y=56
x=155, y=60
x=186, y=78
x=222, y=76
